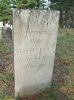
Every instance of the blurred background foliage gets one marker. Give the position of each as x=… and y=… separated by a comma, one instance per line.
x=66, y=8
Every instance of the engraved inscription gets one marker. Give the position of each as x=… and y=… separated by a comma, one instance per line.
x=35, y=35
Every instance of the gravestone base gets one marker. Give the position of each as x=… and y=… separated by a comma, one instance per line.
x=45, y=95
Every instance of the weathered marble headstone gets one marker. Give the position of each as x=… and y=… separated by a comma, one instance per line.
x=35, y=35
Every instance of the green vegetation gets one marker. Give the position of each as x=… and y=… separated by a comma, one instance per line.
x=6, y=7
x=66, y=8
x=22, y=4
x=5, y=10
x=6, y=69
x=63, y=81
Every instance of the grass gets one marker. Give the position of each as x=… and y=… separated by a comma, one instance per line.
x=63, y=76
x=6, y=69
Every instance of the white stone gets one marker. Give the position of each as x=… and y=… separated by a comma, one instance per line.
x=35, y=36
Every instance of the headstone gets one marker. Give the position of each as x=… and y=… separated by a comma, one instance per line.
x=7, y=33
x=35, y=35
x=0, y=33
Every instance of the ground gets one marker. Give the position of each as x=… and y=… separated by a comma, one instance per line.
x=6, y=69
x=63, y=75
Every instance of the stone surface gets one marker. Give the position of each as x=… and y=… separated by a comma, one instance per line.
x=35, y=35
x=6, y=33
x=0, y=33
